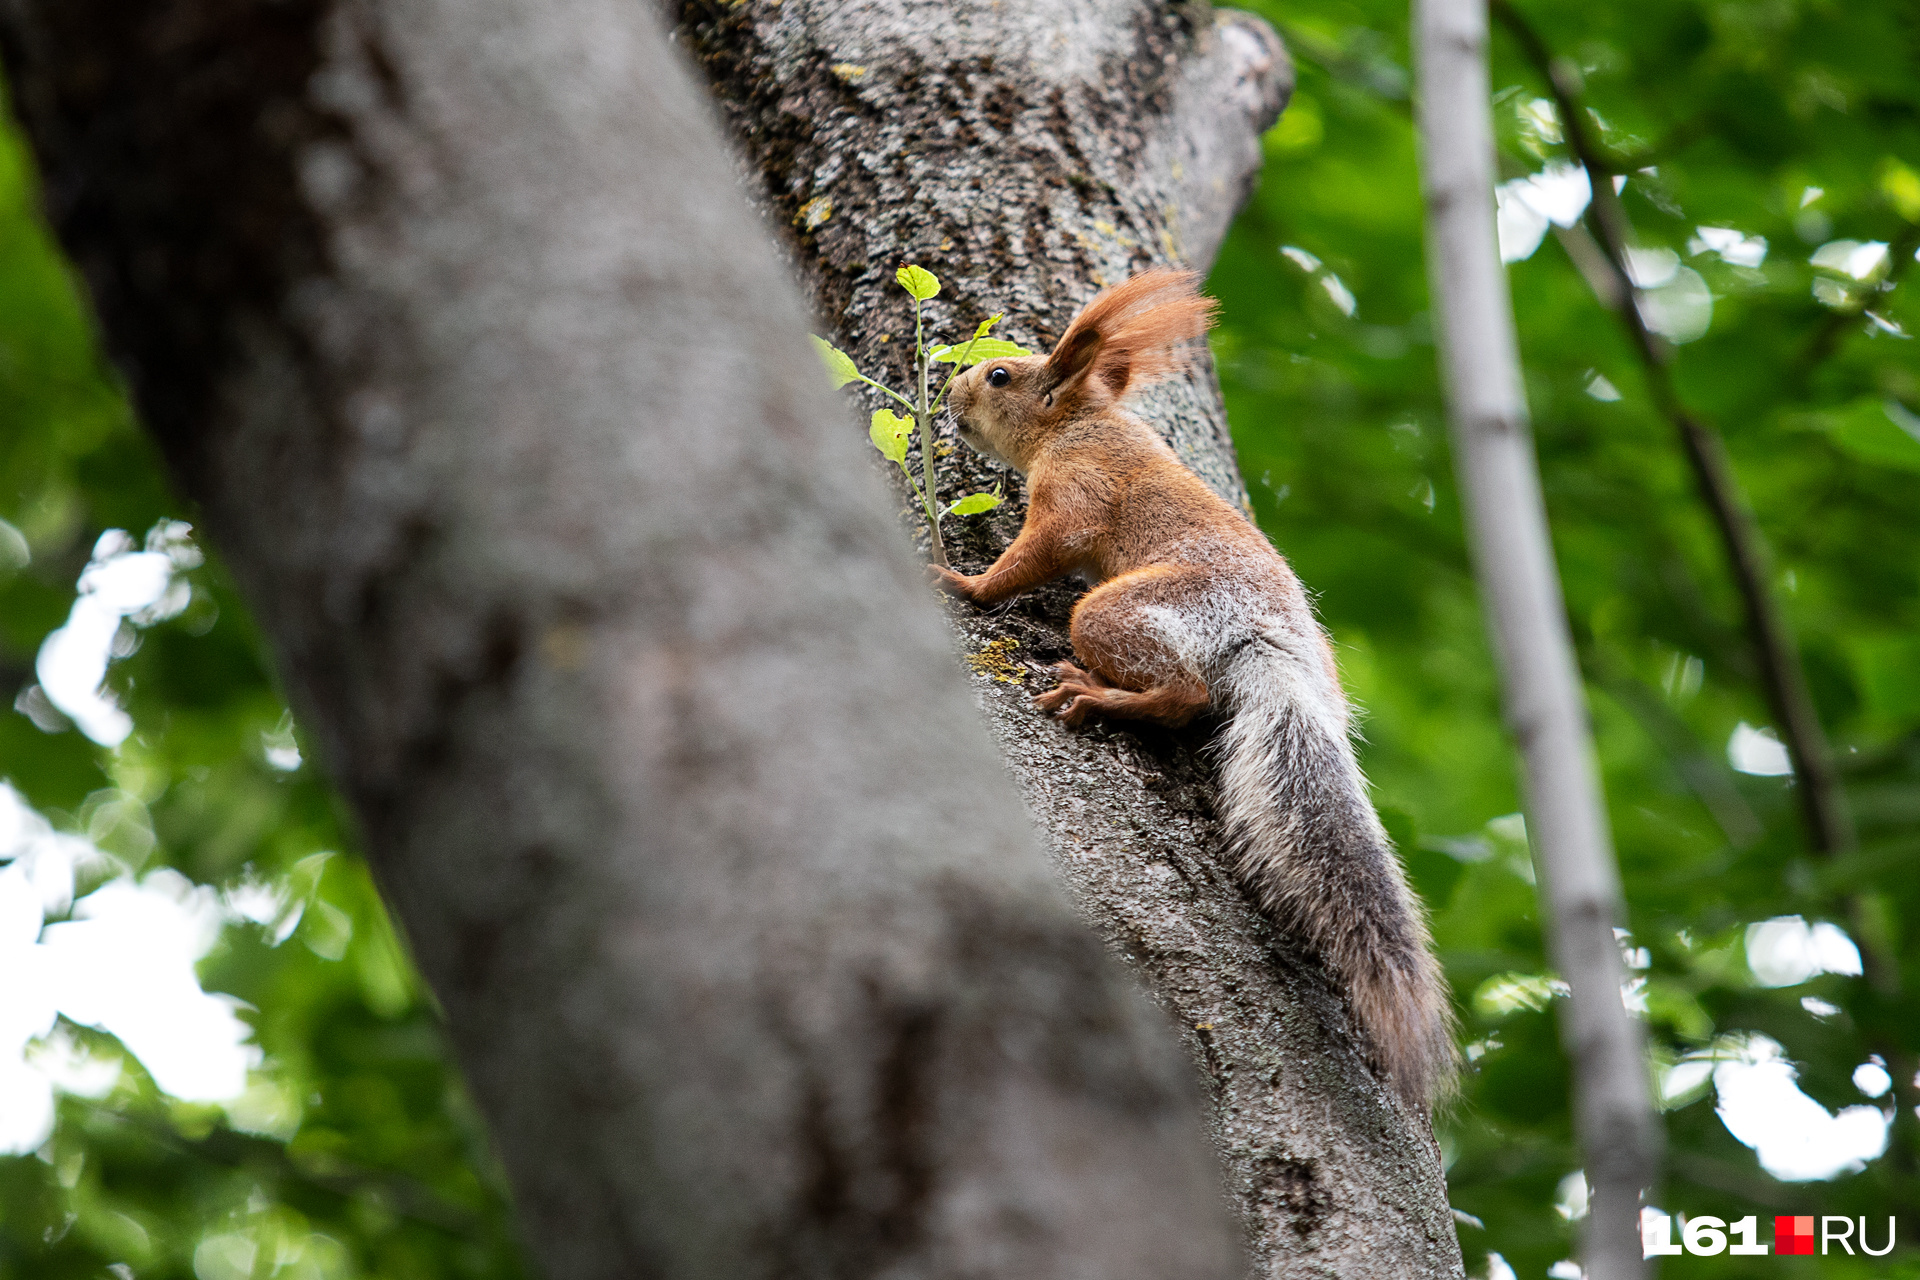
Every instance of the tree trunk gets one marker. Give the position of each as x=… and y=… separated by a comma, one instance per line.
x=498, y=404
x=1029, y=154
x=1542, y=697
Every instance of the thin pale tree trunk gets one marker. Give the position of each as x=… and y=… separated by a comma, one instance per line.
x=1526, y=616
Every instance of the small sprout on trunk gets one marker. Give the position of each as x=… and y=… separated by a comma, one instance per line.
x=891, y=433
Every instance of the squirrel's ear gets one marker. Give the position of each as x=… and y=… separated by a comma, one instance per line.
x=1072, y=357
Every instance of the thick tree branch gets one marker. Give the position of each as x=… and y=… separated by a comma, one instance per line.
x=1822, y=800
x=1526, y=614
x=1239, y=77
x=1030, y=153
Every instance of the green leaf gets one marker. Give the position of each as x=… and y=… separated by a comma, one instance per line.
x=983, y=349
x=839, y=363
x=988, y=323
x=889, y=433
x=974, y=504
x=1888, y=673
x=918, y=281
x=1879, y=431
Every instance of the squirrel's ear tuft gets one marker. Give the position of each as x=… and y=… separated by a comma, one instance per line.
x=1131, y=334
x=1073, y=356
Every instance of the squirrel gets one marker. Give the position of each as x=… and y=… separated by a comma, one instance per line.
x=1191, y=608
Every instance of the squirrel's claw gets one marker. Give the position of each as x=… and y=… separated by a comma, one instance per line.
x=1076, y=710
x=1074, y=698
x=947, y=580
x=1069, y=701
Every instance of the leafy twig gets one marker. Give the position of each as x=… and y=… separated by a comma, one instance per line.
x=891, y=434
x=1541, y=695
x=1822, y=801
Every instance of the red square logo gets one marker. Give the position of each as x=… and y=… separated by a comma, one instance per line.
x=1793, y=1235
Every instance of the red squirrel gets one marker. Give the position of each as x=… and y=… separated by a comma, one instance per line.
x=1191, y=607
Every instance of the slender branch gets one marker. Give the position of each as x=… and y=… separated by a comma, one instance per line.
x=1822, y=798
x=929, y=495
x=1526, y=615
x=889, y=390
x=1822, y=802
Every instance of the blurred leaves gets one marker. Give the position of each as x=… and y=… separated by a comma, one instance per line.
x=1882, y=432
x=353, y=1151
x=1751, y=138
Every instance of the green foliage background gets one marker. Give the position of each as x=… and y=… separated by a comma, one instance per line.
x=356, y=1152
x=1737, y=108
x=366, y=1159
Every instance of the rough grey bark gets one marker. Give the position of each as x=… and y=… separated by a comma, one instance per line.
x=1029, y=154
x=1541, y=693
x=499, y=406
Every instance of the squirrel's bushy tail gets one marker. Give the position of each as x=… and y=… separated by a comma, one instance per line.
x=1307, y=843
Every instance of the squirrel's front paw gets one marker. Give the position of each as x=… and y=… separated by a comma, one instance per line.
x=950, y=582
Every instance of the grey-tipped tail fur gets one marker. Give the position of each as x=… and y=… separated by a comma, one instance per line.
x=1306, y=842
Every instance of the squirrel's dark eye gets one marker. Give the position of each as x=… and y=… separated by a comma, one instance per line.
x=999, y=378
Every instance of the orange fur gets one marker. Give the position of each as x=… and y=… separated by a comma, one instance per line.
x=1128, y=336
x=1193, y=607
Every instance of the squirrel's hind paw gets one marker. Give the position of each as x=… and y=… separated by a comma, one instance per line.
x=1072, y=699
